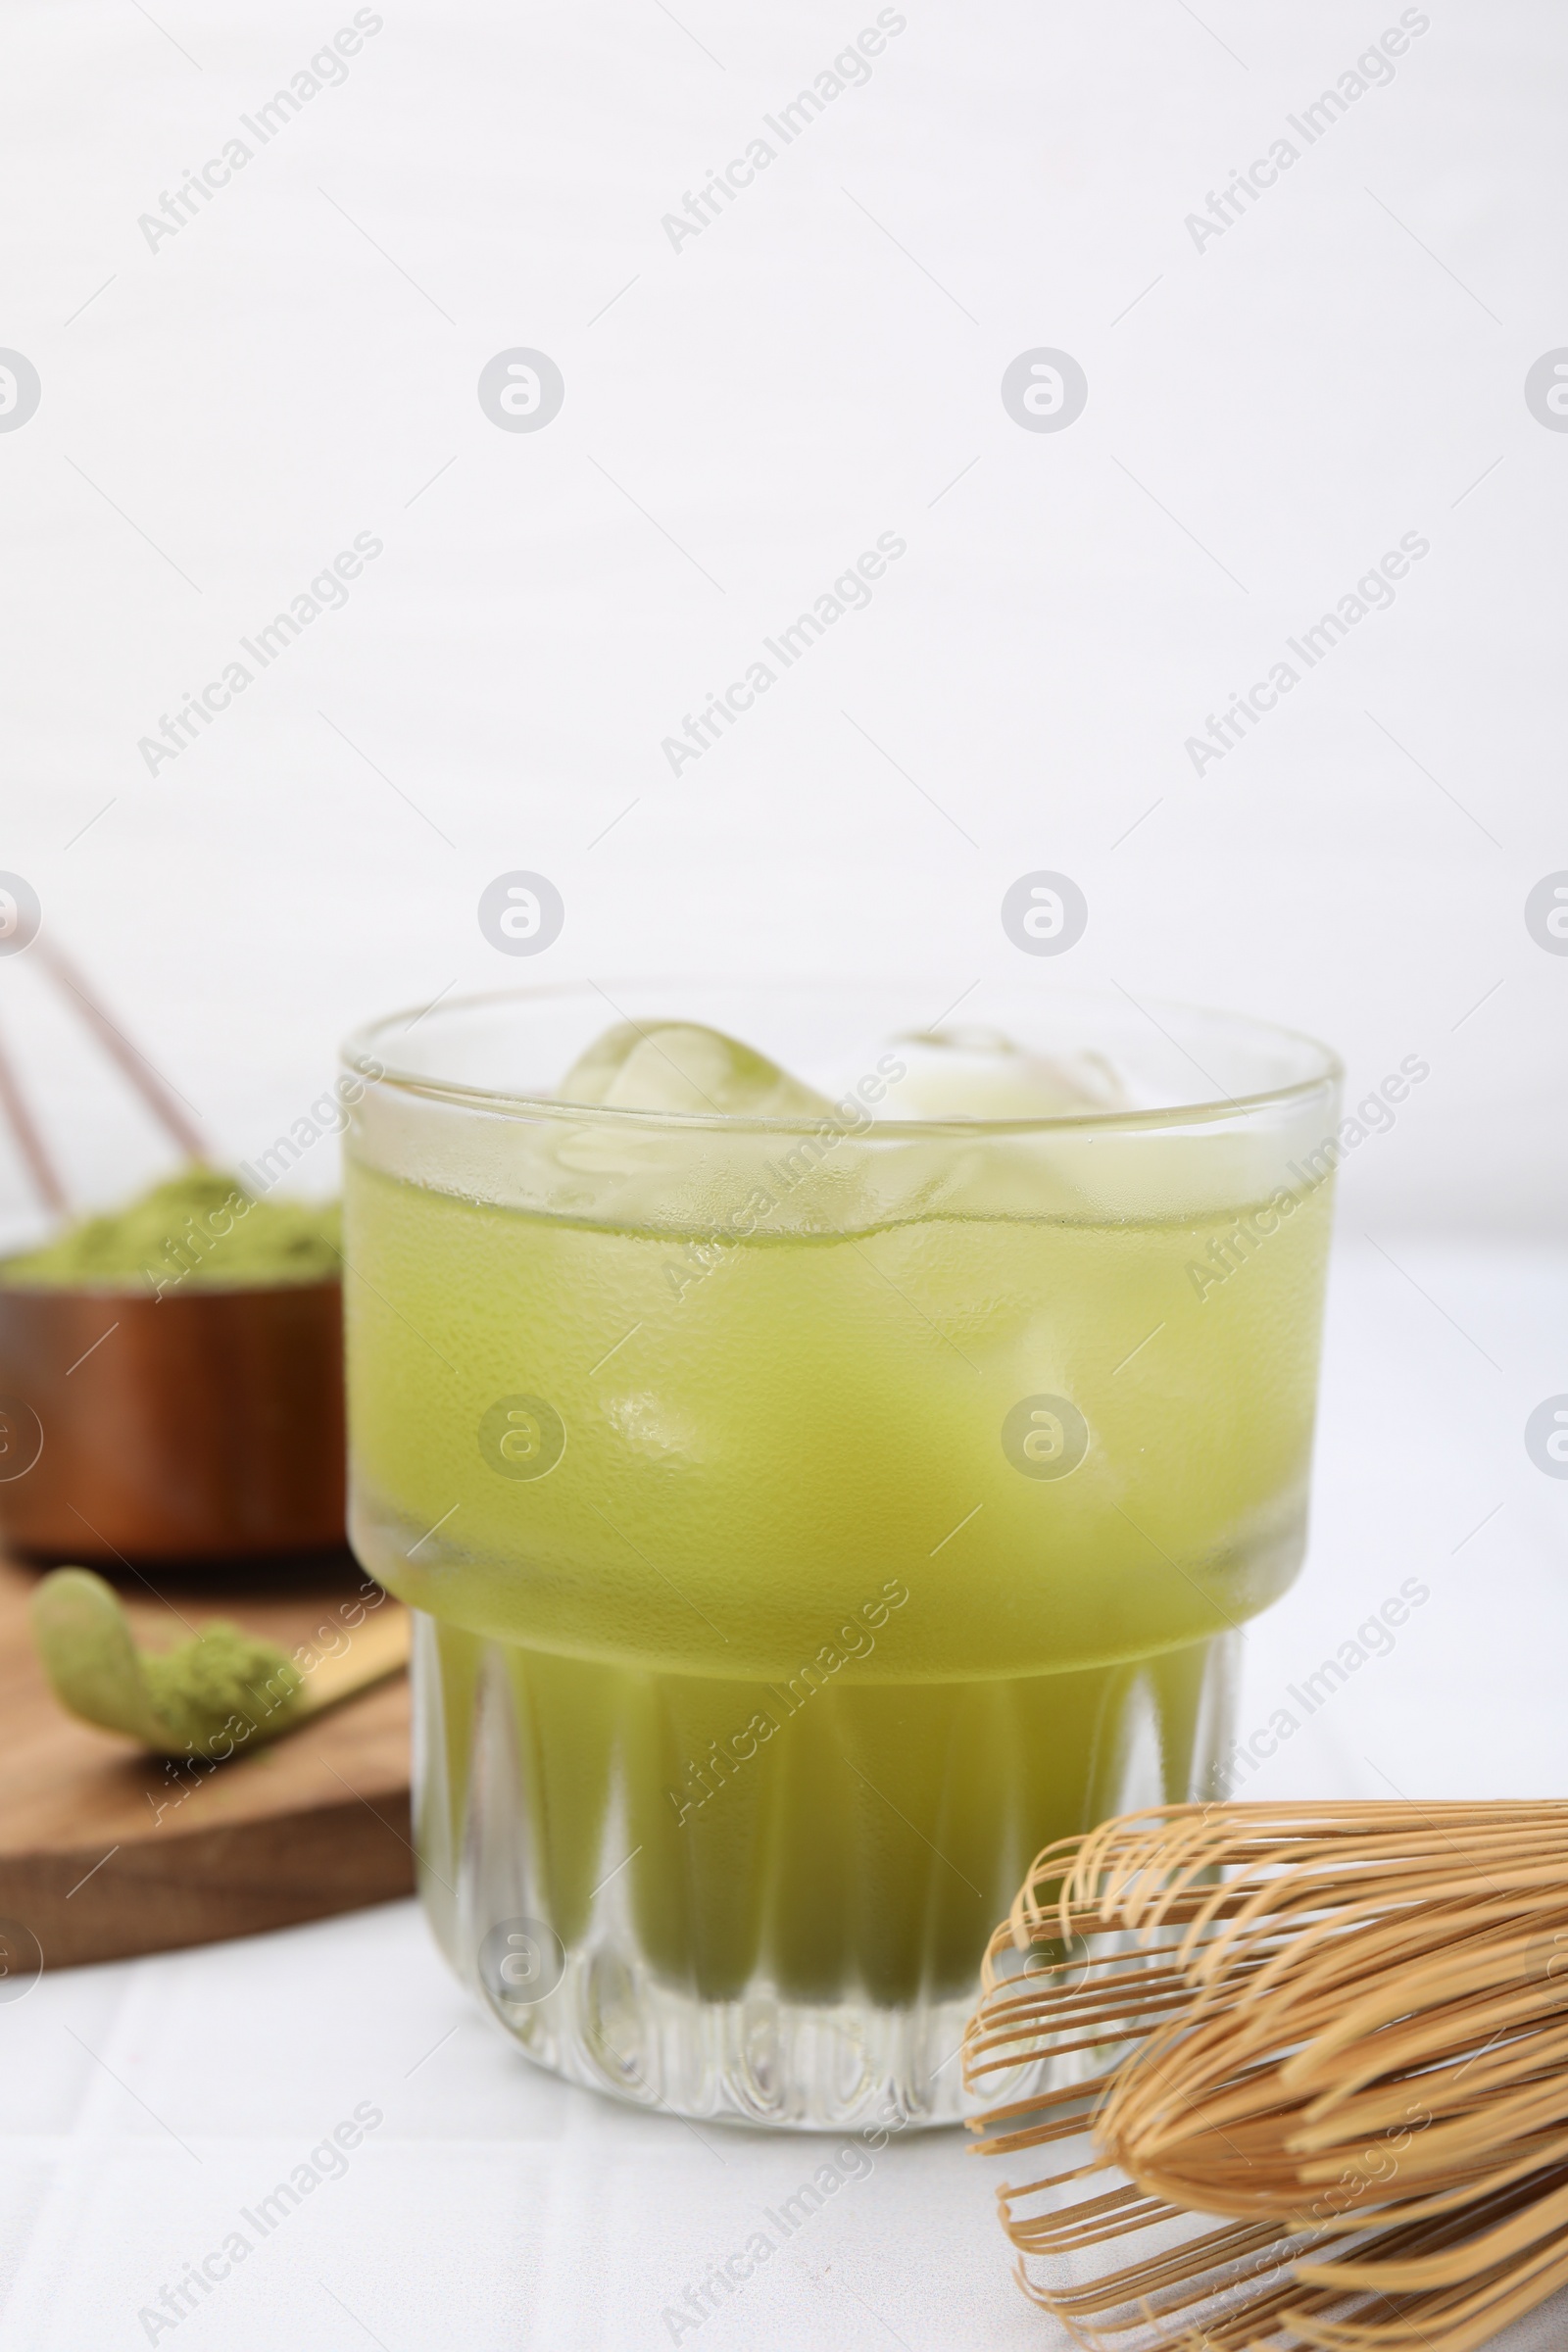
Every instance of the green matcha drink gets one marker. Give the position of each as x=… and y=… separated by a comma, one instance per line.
x=816, y=1501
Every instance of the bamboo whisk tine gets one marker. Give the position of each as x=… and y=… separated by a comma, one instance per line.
x=1304, y=2071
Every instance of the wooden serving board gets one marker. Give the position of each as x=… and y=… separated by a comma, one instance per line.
x=106, y=1851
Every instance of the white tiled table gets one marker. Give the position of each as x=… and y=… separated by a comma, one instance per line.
x=149, y=2102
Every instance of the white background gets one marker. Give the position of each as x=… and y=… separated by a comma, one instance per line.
x=1339, y=367
x=1265, y=418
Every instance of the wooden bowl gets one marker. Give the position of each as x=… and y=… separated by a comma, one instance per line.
x=204, y=1426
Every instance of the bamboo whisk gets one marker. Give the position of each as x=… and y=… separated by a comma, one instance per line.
x=1315, y=2059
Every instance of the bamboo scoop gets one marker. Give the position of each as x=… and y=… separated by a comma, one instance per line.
x=1339, y=2031
x=213, y=1696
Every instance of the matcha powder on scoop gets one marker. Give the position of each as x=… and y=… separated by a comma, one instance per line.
x=199, y=1228
x=220, y=1686
x=211, y=1696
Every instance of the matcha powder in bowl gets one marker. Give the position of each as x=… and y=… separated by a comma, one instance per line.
x=172, y=1381
x=198, y=1229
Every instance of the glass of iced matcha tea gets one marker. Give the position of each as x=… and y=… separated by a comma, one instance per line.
x=830, y=1457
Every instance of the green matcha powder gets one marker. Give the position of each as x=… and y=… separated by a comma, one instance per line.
x=200, y=1230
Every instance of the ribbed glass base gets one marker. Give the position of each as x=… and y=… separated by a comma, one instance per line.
x=611, y=2025
x=801, y=1950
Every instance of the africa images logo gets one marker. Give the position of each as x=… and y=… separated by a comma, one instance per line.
x=521, y=389
x=20, y=390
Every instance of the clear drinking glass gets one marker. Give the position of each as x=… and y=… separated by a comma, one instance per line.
x=810, y=1517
